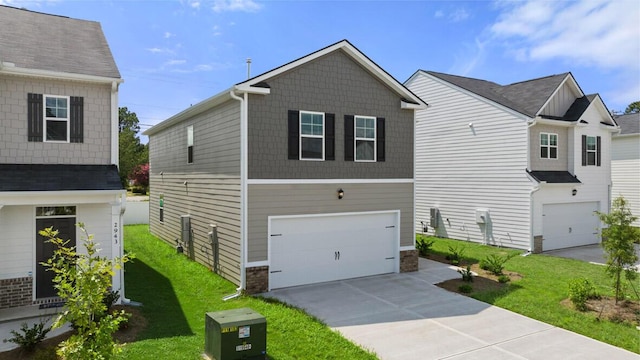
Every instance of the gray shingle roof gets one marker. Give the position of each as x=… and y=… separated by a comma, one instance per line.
x=58, y=177
x=55, y=43
x=629, y=123
x=526, y=97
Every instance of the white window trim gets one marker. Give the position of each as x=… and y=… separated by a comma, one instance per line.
x=548, y=146
x=300, y=135
x=594, y=151
x=189, y=142
x=45, y=118
x=356, y=138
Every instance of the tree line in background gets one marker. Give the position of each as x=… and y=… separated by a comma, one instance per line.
x=133, y=155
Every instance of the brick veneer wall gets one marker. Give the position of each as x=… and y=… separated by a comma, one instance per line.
x=408, y=261
x=16, y=292
x=537, y=244
x=257, y=279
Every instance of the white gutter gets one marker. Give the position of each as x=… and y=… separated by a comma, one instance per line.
x=244, y=144
x=115, y=120
x=12, y=69
x=531, y=236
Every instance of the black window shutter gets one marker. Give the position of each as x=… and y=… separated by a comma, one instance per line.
x=380, y=153
x=329, y=137
x=598, y=156
x=294, y=134
x=76, y=132
x=584, y=150
x=348, y=138
x=35, y=117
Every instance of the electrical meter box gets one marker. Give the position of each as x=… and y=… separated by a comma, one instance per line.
x=235, y=334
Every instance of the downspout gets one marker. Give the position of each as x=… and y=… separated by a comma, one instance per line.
x=534, y=190
x=243, y=190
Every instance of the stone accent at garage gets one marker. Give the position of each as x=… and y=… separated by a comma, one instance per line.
x=537, y=244
x=16, y=292
x=257, y=279
x=408, y=261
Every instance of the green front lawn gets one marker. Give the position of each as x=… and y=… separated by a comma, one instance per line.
x=177, y=293
x=544, y=285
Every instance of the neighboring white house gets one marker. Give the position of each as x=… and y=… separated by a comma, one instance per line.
x=625, y=162
x=523, y=165
x=58, y=148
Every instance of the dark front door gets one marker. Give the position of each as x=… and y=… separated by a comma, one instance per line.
x=44, y=250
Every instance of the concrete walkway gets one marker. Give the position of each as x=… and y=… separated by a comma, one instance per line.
x=405, y=316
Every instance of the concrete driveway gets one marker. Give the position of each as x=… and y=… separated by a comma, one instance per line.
x=405, y=316
x=589, y=253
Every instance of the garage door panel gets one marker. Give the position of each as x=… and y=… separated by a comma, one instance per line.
x=305, y=250
x=569, y=225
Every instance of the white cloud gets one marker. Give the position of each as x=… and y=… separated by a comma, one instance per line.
x=194, y=4
x=168, y=35
x=459, y=14
x=438, y=14
x=175, y=62
x=235, y=5
x=591, y=33
x=157, y=50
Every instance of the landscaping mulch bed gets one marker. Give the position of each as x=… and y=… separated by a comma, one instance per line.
x=46, y=349
x=605, y=308
x=485, y=281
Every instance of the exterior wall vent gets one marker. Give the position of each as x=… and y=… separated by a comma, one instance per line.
x=482, y=216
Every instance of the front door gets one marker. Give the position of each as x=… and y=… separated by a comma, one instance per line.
x=44, y=250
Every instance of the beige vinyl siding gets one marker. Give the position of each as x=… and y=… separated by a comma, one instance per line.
x=538, y=163
x=209, y=199
x=560, y=102
x=461, y=168
x=299, y=199
x=15, y=148
x=216, y=144
x=625, y=171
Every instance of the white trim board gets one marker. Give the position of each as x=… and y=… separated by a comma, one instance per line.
x=327, y=181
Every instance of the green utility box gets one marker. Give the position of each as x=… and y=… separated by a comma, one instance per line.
x=235, y=334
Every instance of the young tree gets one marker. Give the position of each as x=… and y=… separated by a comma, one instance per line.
x=140, y=176
x=618, y=242
x=83, y=280
x=633, y=108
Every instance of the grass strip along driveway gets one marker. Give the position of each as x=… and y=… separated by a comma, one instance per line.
x=545, y=284
x=177, y=292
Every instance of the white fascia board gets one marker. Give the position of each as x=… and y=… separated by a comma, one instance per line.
x=624, y=136
x=326, y=181
x=356, y=55
x=569, y=78
x=602, y=109
x=10, y=69
x=558, y=123
x=252, y=90
x=60, y=197
x=473, y=95
x=191, y=111
x=412, y=106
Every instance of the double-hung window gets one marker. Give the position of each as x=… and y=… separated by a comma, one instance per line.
x=56, y=118
x=190, y=144
x=548, y=146
x=365, y=139
x=311, y=135
x=591, y=150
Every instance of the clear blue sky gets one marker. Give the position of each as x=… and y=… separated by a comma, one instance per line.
x=173, y=53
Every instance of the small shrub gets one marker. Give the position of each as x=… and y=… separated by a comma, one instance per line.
x=581, y=290
x=29, y=336
x=456, y=254
x=466, y=274
x=465, y=288
x=423, y=245
x=495, y=263
x=48, y=353
x=110, y=298
x=503, y=279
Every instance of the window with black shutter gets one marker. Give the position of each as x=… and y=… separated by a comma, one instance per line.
x=53, y=118
x=364, y=138
x=591, y=150
x=311, y=135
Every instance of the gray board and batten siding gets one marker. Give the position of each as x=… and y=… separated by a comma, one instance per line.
x=212, y=191
x=336, y=84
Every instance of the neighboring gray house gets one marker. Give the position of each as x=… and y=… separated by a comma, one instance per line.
x=625, y=162
x=300, y=175
x=522, y=165
x=58, y=147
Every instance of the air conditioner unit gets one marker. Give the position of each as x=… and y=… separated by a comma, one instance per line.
x=434, y=217
x=482, y=216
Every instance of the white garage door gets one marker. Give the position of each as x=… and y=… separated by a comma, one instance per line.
x=568, y=225
x=306, y=250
